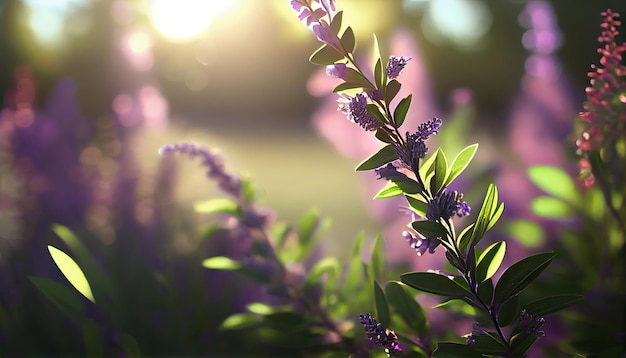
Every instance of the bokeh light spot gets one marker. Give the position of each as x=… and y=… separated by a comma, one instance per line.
x=182, y=19
x=463, y=22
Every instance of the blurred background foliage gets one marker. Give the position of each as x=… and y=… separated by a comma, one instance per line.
x=111, y=81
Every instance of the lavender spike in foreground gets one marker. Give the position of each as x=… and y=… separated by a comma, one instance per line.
x=227, y=182
x=377, y=334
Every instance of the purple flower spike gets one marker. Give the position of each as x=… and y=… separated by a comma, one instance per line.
x=355, y=108
x=445, y=204
x=338, y=70
x=532, y=325
x=395, y=66
x=377, y=334
x=388, y=172
x=227, y=182
x=428, y=128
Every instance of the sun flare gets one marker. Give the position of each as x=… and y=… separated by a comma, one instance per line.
x=182, y=19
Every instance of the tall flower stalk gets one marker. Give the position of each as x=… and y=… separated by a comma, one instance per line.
x=424, y=182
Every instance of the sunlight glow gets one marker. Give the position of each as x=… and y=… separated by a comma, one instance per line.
x=463, y=22
x=182, y=19
x=46, y=18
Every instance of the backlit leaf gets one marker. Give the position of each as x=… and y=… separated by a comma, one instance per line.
x=72, y=272
x=383, y=156
x=520, y=274
x=434, y=283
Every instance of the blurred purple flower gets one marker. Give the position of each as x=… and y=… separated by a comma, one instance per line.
x=396, y=65
x=229, y=183
x=531, y=324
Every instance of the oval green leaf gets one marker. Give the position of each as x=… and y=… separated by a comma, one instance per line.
x=549, y=207
x=405, y=305
x=348, y=41
x=434, y=283
x=429, y=228
x=382, y=309
x=490, y=260
x=553, y=181
x=551, y=304
x=219, y=205
x=520, y=274
x=241, y=320
x=325, y=56
x=72, y=272
x=399, y=114
x=383, y=156
x=221, y=263
x=460, y=162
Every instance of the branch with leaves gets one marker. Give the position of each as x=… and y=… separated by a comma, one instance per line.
x=424, y=183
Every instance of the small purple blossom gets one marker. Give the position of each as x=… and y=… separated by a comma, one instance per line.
x=338, y=70
x=313, y=19
x=355, y=108
x=445, y=204
x=428, y=128
x=396, y=65
x=421, y=244
x=377, y=334
x=227, y=182
x=411, y=151
x=531, y=324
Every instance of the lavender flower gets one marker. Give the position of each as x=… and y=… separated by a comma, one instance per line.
x=377, y=334
x=445, y=204
x=428, y=128
x=414, y=148
x=355, y=108
x=227, y=182
x=421, y=244
x=313, y=19
x=396, y=65
x=338, y=70
x=531, y=324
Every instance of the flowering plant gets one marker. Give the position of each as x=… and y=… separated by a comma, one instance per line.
x=424, y=183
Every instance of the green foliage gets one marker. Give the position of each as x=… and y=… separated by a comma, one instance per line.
x=520, y=274
x=72, y=272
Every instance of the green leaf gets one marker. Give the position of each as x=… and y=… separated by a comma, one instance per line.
x=383, y=136
x=382, y=309
x=130, y=346
x=526, y=232
x=405, y=305
x=399, y=114
x=346, y=86
x=347, y=40
x=378, y=74
x=375, y=111
x=214, y=206
x=554, y=181
x=551, y=304
x=429, y=228
x=434, y=283
x=460, y=162
x=390, y=190
x=377, y=261
x=64, y=299
x=455, y=350
x=407, y=185
x=520, y=274
x=495, y=216
x=241, y=320
x=391, y=91
x=221, y=263
x=486, y=212
x=335, y=25
x=260, y=308
x=464, y=237
x=72, y=272
x=356, y=271
x=307, y=228
x=521, y=342
x=417, y=205
x=283, y=320
x=489, y=345
x=328, y=265
x=485, y=291
x=441, y=172
x=92, y=339
x=509, y=311
x=325, y=56
x=427, y=167
x=383, y=156
x=549, y=207
x=490, y=260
